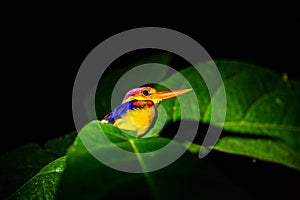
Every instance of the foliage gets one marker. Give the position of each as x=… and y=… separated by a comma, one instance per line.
x=261, y=122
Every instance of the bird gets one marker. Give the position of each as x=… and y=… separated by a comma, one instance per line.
x=138, y=110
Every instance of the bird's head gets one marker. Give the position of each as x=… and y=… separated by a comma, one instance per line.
x=148, y=93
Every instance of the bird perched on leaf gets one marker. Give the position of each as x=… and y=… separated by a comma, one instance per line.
x=138, y=110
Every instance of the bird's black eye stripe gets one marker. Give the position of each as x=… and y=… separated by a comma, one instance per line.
x=146, y=93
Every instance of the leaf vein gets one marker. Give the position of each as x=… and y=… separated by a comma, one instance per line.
x=234, y=75
x=259, y=99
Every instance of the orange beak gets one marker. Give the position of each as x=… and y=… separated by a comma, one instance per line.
x=161, y=95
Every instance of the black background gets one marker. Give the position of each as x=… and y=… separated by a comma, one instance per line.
x=43, y=51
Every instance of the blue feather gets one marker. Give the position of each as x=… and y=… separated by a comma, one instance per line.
x=120, y=111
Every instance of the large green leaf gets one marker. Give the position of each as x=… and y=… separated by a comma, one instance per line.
x=44, y=184
x=261, y=122
x=22, y=163
x=85, y=177
x=262, y=110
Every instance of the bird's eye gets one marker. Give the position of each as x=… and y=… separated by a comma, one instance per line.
x=146, y=93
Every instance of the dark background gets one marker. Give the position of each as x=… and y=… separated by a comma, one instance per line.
x=42, y=53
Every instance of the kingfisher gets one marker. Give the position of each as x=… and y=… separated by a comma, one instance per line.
x=138, y=110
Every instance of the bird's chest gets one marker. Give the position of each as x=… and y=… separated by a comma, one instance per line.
x=138, y=120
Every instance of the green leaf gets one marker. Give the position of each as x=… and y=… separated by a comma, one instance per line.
x=44, y=184
x=261, y=122
x=22, y=163
x=85, y=177
x=262, y=110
